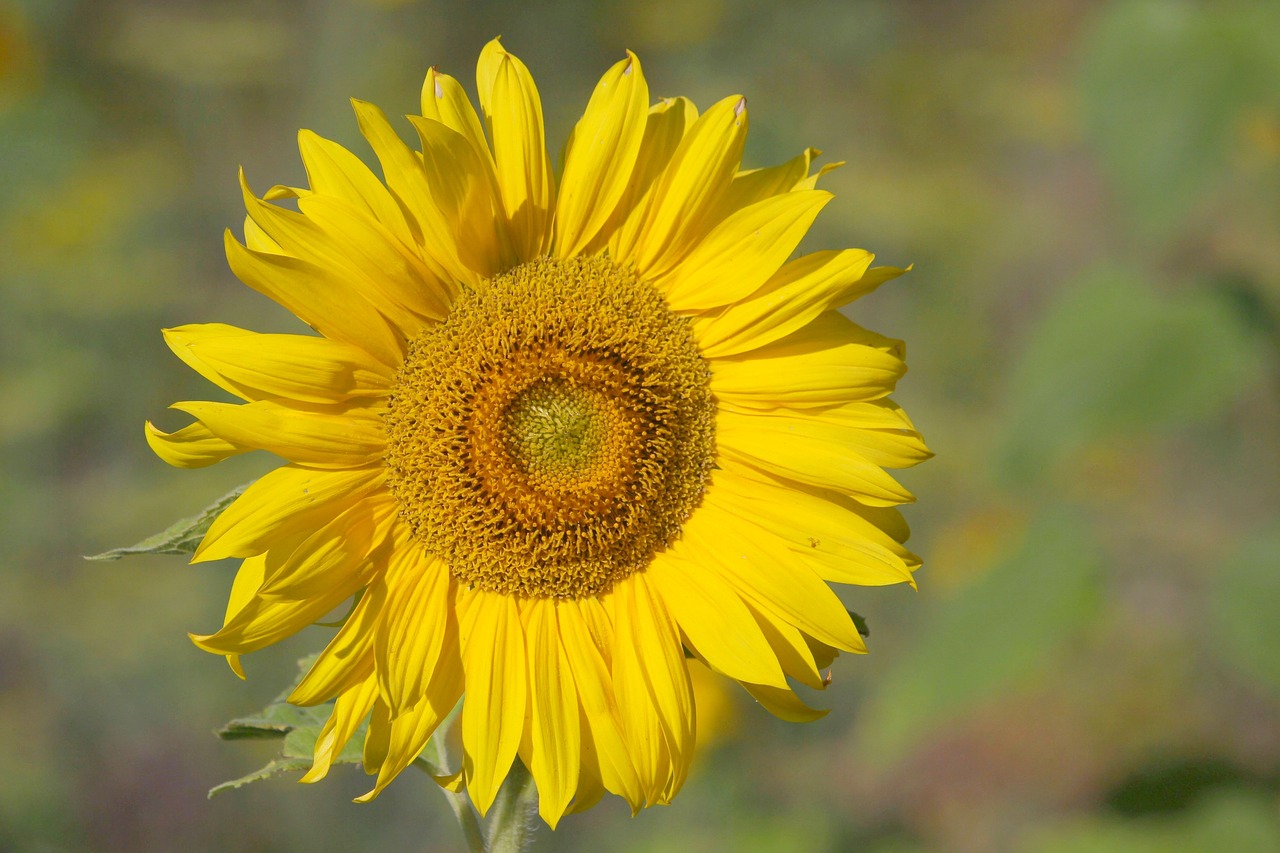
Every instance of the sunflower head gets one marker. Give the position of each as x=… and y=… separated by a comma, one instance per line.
x=553, y=437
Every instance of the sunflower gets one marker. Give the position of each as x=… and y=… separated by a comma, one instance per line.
x=550, y=441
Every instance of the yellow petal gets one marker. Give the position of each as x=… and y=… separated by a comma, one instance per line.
x=280, y=368
x=812, y=180
x=742, y=252
x=823, y=655
x=834, y=537
x=180, y=338
x=877, y=431
x=280, y=503
x=347, y=440
x=349, y=711
x=649, y=654
x=828, y=362
x=795, y=295
x=788, y=643
x=513, y=110
x=590, y=784
x=335, y=171
x=691, y=187
x=348, y=658
x=408, y=286
x=465, y=197
x=753, y=185
x=665, y=125
x=279, y=192
x=412, y=632
x=355, y=248
x=319, y=297
x=647, y=743
x=248, y=579
x=402, y=740
x=193, y=446
x=809, y=451
x=605, y=144
x=784, y=704
x=262, y=622
x=763, y=571
x=555, y=736
x=408, y=182
x=444, y=100
x=493, y=655
x=595, y=691
x=712, y=616
x=599, y=624
x=377, y=740
x=342, y=550
x=453, y=782
x=258, y=240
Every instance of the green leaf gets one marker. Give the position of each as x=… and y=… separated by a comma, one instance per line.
x=989, y=638
x=296, y=727
x=274, y=721
x=272, y=768
x=1112, y=355
x=278, y=718
x=180, y=538
x=1245, y=594
x=301, y=742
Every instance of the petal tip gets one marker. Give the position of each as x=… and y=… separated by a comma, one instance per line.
x=369, y=797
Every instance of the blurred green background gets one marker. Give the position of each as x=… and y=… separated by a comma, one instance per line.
x=1090, y=192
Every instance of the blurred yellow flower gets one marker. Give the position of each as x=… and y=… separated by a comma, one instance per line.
x=550, y=440
x=718, y=717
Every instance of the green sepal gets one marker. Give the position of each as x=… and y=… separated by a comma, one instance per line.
x=180, y=538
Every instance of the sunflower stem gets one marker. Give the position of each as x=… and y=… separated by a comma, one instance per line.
x=512, y=818
x=466, y=815
x=459, y=802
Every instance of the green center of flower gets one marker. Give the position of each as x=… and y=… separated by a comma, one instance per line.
x=554, y=432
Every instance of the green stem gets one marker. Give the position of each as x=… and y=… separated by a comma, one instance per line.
x=460, y=803
x=511, y=820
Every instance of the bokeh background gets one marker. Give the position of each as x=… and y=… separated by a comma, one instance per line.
x=1090, y=192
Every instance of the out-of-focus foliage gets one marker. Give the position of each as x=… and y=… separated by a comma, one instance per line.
x=1113, y=355
x=1090, y=192
x=1244, y=610
x=996, y=633
x=1236, y=822
x=1167, y=87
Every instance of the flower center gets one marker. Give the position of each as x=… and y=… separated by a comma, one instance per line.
x=554, y=432
x=557, y=431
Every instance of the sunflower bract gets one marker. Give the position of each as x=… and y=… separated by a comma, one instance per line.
x=550, y=435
